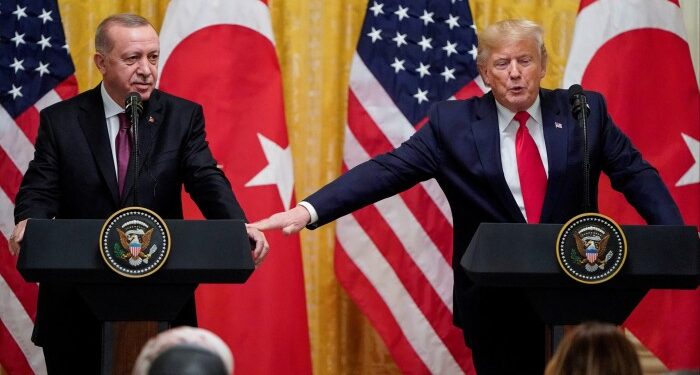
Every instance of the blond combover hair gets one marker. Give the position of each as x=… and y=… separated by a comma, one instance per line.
x=103, y=44
x=507, y=31
x=595, y=349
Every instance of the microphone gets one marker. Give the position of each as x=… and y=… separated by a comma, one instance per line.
x=578, y=102
x=580, y=110
x=133, y=107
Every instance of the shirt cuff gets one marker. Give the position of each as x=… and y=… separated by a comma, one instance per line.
x=312, y=211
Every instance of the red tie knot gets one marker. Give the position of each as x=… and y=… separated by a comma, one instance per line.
x=522, y=117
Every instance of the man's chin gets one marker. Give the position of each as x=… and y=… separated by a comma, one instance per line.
x=145, y=93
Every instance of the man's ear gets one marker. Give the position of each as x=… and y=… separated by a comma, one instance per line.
x=484, y=75
x=100, y=62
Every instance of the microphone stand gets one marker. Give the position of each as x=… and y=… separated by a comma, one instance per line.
x=582, y=115
x=135, y=107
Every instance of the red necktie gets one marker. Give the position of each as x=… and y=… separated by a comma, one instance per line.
x=122, y=145
x=533, y=179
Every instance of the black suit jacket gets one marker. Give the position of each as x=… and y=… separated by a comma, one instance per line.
x=460, y=148
x=73, y=176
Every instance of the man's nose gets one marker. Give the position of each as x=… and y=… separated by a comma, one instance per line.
x=142, y=66
x=514, y=70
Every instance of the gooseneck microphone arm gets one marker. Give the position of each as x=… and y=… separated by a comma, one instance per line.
x=133, y=108
x=580, y=110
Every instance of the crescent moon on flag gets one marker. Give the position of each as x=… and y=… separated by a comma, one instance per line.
x=655, y=14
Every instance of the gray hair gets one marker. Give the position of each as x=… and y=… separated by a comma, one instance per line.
x=509, y=31
x=183, y=335
x=103, y=43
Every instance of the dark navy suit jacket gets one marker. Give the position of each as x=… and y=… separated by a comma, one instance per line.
x=72, y=176
x=460, y=148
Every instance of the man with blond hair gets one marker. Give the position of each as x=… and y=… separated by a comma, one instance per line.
x=513, y=155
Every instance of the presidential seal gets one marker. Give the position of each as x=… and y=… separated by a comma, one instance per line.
x=591, y=248
x=134, y=242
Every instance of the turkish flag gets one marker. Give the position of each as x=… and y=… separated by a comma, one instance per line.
x=222, y=55
x=636, y=54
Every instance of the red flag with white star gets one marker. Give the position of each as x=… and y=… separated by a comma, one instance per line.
x=222, y=55
x=636, y=54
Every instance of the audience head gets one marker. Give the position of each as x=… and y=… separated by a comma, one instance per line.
x=184, y=351
x=595, y=349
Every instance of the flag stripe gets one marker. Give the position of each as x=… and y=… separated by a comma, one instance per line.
x=25, y=293
x=426, y=201
x=413, y=280
x=28, y=123
x=9, y=183
x=20, y=326
x=393, y=209
x=410, y=319
x=50, y=98
x=11, y=357
x=365, y=295
x=477, y=87
x=15, y=143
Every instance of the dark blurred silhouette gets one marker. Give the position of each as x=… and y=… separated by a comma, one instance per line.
x=185, y=351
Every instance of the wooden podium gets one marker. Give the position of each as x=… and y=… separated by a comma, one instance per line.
x=205, y=251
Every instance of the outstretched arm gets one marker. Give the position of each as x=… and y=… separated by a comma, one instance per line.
x=290, y=221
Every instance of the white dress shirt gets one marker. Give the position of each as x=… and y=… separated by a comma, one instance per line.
x=112, y=110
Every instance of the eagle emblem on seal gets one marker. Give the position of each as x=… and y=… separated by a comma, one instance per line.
x=591, y=248
x=135, y=242
x=592, y=251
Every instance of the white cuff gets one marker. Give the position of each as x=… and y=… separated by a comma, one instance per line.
x=312, y=211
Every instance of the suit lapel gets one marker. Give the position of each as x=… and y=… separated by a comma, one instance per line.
x=557, y=131
x=92, y=122
x=149, y=123
x=488, y=144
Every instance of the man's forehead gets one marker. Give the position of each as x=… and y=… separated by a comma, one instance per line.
x=525, y=47
x=123, y=35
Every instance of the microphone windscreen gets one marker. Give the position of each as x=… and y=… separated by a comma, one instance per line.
x=133, y=97
x=133, y=103
x=574, y=91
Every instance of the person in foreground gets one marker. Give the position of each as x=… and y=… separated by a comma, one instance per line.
x=185, y=351
x=595, y=349
x=80, y=172
x=493, y=169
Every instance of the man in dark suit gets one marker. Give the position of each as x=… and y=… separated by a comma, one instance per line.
x=78, y=171
x=512, y=155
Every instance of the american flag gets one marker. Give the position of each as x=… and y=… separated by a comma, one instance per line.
x=35, y=71
x=394, y=257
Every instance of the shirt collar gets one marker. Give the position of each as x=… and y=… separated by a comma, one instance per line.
x=505, y=115
x=111, y=107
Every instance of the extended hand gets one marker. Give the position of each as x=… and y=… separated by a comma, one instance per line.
x=259, y=243
x=291, y=221
x=16, y=237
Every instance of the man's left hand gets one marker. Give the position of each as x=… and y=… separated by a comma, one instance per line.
x=259, y=244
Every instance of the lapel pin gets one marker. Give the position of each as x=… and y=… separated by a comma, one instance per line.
x=557, y=125
x=151, y=120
